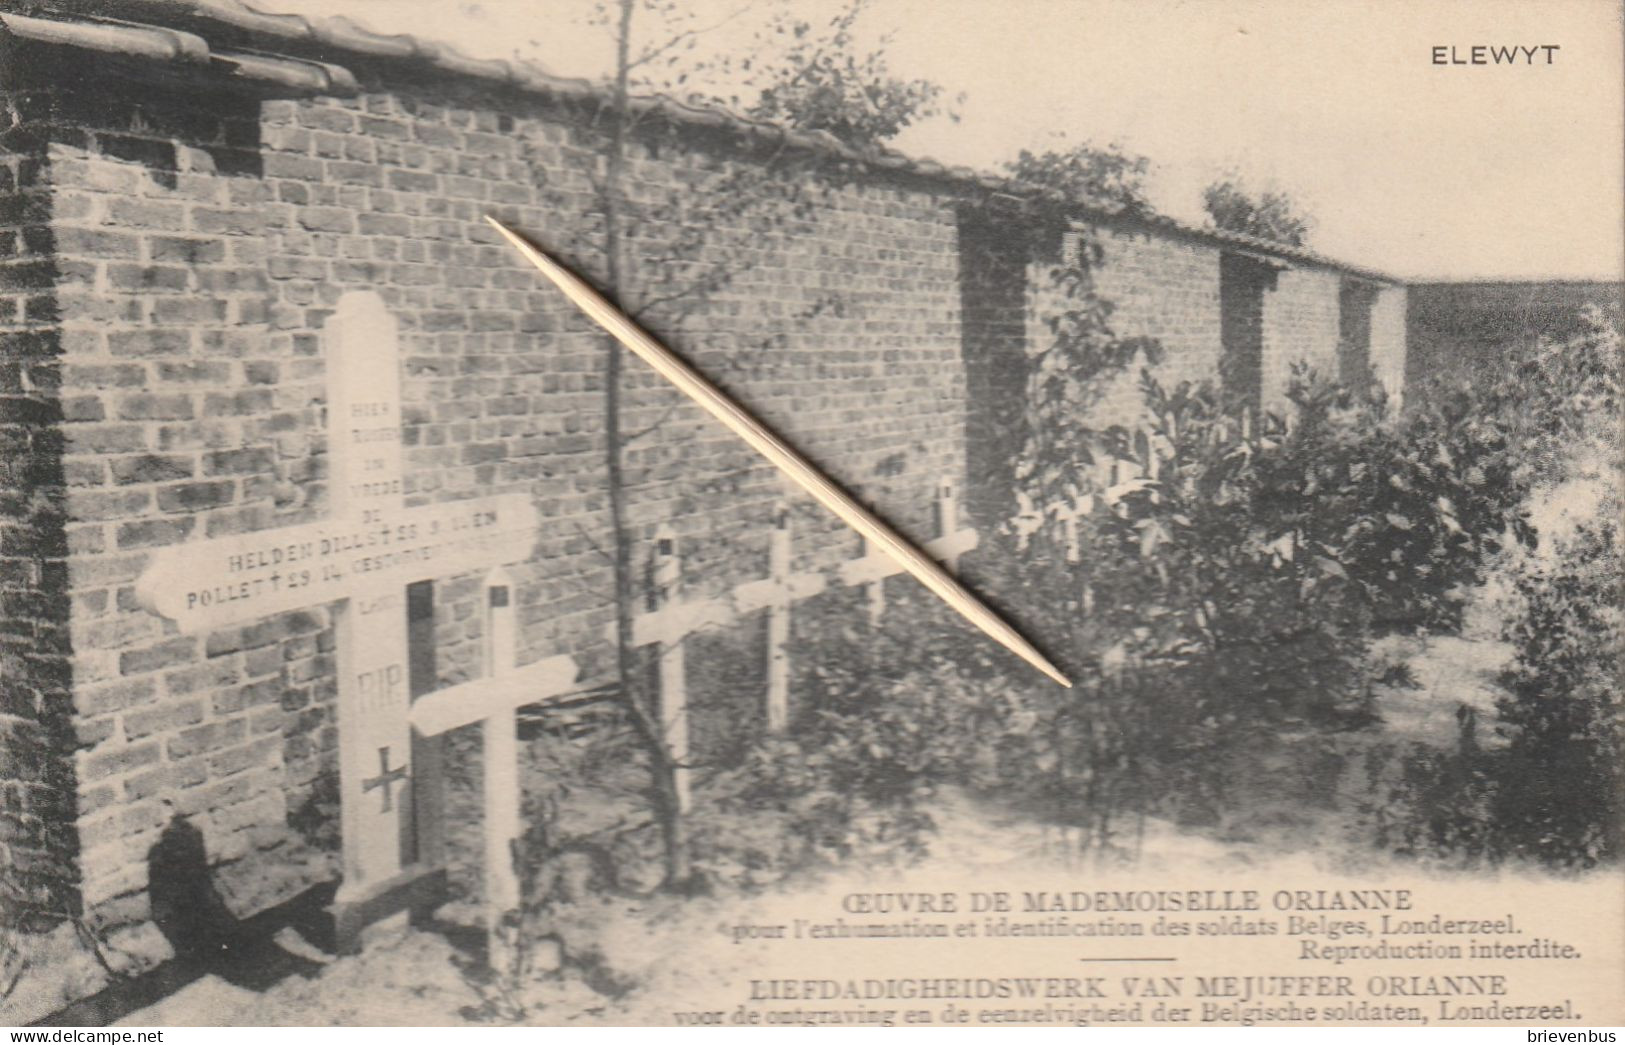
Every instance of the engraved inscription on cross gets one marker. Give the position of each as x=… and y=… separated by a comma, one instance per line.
x=385, y=777
x=360, y=560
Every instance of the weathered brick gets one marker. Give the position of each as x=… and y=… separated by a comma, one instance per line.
x=149, y=342
x=143, y=817
x=83, y=408
x=152, y=782
x=109, y=504
x=238, y=462
x=193, y=371
x=354, y=173
x=84, y=471
x=326, y=219
x=153, y=532
x=97, y=438
x=124, y=276
x=261, y=373
x=244, y=757
x=291, y=266
x=152, y=406
x=162, y=719
x=95, y=799
x=209, y=674
x=264, y=661
x=186, y=250
x=172, y=311
x=247, y=401
x=159, y=155
x=198, y=496
x=154, y=658
x=88, y=732
x=149, y=214
x=384, y=225
x=151, y=468
x=327, y=118
x=90, y=571
x=104, y=375
x=213, y=221
x=87, y=540
x=120, y=759
x=254, y=694
x=98, y=243
x=214, y=736
x=414, y=181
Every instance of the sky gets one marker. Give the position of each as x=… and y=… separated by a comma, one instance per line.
x=1420, y=170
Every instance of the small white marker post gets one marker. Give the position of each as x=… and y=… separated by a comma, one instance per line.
x=500, y=736
x=778, y=624
x=948, y=517
x=667, y=576
x=874, y=593
x=777, y=593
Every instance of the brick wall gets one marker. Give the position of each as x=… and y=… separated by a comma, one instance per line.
x=1166, y=288
x=38, y=875
x=1388, y=342
x=1300, y=326
x=184, y=417
x=201, y=245
x=1157, y=284
x=993, y=257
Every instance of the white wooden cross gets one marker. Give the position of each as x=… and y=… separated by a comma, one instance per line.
x=873, y=567
x=360, y=560
x=673, y=664
x=671, y=620
x=781, y=590
x=492, y=702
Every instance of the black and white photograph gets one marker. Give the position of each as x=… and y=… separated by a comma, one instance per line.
x=817, y=513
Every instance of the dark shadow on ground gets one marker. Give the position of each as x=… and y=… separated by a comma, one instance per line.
x=194, y=918
x=206, y=937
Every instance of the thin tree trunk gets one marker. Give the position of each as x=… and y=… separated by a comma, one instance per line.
x=635, y=690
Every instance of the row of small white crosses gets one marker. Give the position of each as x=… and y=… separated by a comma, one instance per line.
x=672, y=619
x=1115, y=477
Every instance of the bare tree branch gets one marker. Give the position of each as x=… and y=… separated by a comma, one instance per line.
x=650, y=54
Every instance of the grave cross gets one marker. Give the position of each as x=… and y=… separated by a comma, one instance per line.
x=873, y=567
x=360, y=561
x=781, y=590
x=492, y=702
x=385, y=777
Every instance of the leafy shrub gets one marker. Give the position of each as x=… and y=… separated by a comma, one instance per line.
x=822, y=83
x=1429, y=804
x=882, y=716
x=1550, y=793
x=1087, y=173
x=1231, y=583
x=1550, y=790
x=1560, y=800
x=1415, y=509
x=1560, y=401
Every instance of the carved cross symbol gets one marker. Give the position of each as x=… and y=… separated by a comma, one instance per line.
x=385, y=777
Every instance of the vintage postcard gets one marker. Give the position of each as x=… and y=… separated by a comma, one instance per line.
x=383, y=642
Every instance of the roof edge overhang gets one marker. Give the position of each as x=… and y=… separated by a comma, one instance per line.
x=283, y=54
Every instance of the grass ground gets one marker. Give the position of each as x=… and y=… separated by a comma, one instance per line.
x=656, y=949
x=1295, y=797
